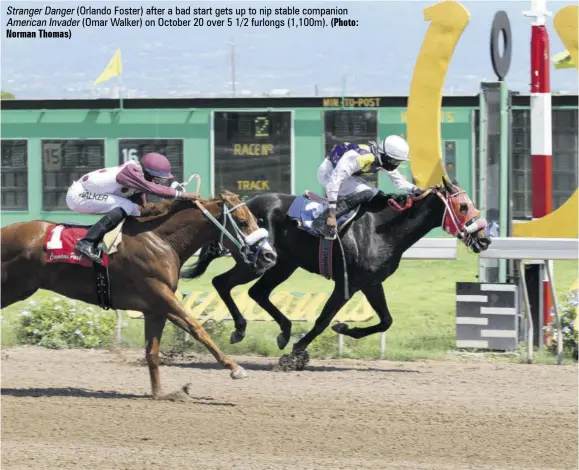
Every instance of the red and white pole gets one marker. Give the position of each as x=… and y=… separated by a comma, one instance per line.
x=541, y=128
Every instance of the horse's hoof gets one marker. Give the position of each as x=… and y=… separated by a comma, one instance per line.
x=236, y=336
x=239, y=373
x=340, y=328
x=293, y=361
x=303, y=358
x=282, y=340
x=286, y=363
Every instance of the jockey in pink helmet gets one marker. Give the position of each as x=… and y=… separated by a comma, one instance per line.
x=118, y=192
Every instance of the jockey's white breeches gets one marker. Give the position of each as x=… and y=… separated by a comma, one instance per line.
x=351, y=185
x=80, y=200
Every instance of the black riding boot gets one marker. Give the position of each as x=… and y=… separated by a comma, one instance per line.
x=88, y=245
x=344, y=205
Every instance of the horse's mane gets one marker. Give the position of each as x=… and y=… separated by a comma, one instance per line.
x=163, y=208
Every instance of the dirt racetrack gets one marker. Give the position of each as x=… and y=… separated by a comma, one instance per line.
x=90, y=410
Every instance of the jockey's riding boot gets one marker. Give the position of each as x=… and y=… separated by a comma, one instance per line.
x=347, y=203
x=88, y=245
x=344, y=205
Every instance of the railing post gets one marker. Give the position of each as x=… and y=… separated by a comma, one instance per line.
x=119, y=327
x=527, y=307
x=382, y=344
x=557, y=316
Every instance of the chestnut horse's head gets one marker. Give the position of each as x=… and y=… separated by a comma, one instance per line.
x=252, y=241
x=461, y=217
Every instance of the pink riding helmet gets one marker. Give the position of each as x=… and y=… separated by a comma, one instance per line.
x=157, y=165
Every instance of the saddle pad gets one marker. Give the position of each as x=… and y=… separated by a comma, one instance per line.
x=59, y=246
x=305, y=211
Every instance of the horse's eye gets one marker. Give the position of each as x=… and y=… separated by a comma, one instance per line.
x=243, y=224
x=463, y=208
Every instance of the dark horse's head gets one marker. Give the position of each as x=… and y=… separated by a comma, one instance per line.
x=461, y=217
x=252, y=242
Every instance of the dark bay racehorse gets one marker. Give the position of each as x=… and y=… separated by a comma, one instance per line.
x=144, y=272
x=373, y=245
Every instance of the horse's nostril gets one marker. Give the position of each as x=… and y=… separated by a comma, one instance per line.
x=269, y=256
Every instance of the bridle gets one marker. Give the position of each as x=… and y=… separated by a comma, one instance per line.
x=242, y=242
x=451, y=222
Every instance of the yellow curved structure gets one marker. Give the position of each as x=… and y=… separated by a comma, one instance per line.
x=562, y=223
x=447, y=22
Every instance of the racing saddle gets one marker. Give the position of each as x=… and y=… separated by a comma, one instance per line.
x=307, y=209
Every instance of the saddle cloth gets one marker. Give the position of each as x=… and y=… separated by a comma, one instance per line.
x=305, y=210
x=61, y=240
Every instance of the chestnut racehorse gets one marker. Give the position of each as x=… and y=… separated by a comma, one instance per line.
x=144, y=273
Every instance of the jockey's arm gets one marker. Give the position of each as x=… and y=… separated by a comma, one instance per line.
x=131, y=176
x=400, y=182
x=349, y=164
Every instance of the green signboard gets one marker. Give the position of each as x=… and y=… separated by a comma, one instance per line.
x=248, y=146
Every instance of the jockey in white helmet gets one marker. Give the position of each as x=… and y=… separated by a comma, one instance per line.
x=117, y=192
x=341, y=172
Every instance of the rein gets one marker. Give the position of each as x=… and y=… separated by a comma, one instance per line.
x=409, y=201
x=243, y=243
x=226, y=214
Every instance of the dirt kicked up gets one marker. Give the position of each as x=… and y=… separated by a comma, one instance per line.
x=91, y=409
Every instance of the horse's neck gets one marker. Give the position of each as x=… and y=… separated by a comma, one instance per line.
x=416, y=222
x=186, y=231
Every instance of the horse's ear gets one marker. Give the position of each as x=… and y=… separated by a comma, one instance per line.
x=448, y=186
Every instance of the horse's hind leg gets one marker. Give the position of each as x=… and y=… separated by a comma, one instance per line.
x=17, y=283
x=224, y=284
x=263, y=288
x=377, y=300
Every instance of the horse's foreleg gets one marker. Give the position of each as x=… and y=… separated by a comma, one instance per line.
x=223, y=284
x=263, y=288
x=180, y=317
x=299, y=358
x=154, y=325
x=377, y=300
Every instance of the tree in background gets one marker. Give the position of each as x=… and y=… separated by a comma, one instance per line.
x=6, y=95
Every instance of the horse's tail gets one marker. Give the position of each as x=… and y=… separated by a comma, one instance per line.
x=208, y=253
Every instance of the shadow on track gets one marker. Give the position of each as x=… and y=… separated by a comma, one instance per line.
x=182, y=362
x=83, y=393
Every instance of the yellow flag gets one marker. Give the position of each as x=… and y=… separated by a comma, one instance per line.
x=112, y=70
x=563, y=60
